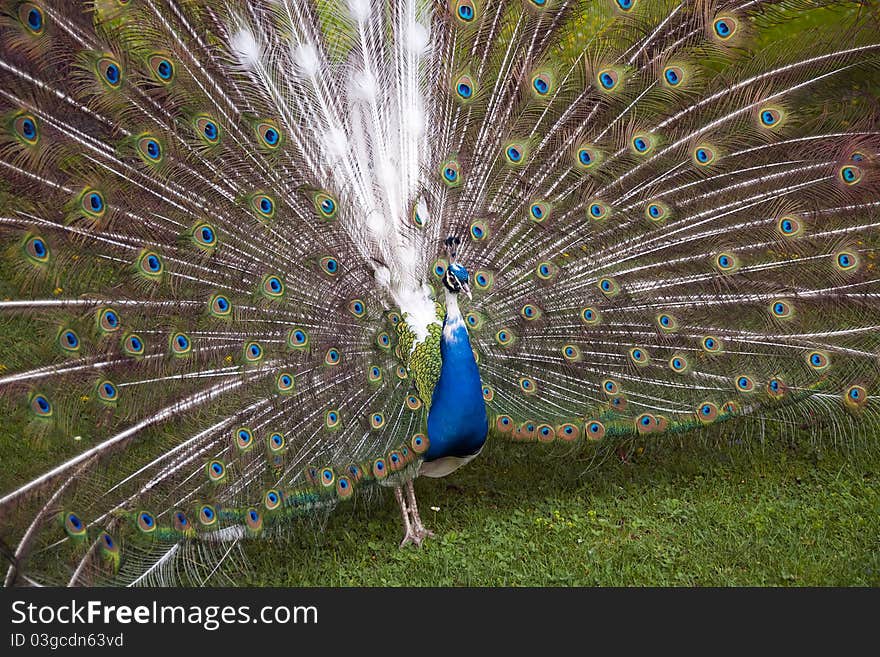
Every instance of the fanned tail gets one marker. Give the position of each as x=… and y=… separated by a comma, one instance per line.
x=672, y=210
x=208, y=245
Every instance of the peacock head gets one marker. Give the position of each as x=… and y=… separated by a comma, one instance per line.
x=456, y=279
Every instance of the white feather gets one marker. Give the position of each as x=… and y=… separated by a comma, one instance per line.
x=246, y=47
x=418, y=38
x=364, y=86
x=335, y=143
x=305, y=56
x=369, y=113
x=359, y=9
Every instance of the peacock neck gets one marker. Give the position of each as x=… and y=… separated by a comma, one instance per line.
x=457, y=423
x=453, y=316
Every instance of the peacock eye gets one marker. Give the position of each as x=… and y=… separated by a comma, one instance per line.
x=608, y=79
x=465, y=11
x=673, y=75
x=110, y=72
x=514, y=154
x=32, y=17
x=450, y=172
x=268, y=134
x=704, y=156
x=850, y=175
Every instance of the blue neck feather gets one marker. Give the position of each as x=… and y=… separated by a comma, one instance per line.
x=457, y=423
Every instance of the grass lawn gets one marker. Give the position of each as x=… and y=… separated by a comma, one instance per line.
x=523, y=515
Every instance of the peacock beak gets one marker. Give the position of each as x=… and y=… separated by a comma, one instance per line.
x=467, y=290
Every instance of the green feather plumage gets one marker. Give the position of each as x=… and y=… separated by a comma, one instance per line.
x=669, y=222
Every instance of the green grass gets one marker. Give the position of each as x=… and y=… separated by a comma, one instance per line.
x=524, y=516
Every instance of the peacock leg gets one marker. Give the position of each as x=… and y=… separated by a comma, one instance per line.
x=409, y=536
x=418, y=527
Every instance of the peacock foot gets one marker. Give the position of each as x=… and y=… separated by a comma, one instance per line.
x=411, y=536
x=416, y=520
x=422, y=532
x=413, y=530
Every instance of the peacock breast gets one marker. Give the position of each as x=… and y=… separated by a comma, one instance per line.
x=457, y=422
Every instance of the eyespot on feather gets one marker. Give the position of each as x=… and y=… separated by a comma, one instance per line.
x=419, y=443
x=790, y=226
x=107, y=392
x=587, y=157
x=146, y=522
x=180, y=344
x=711, y=344
x=207, y=515
x=818, y=361
x=608, y=79
x=216, y=471
x=464, y=11
x=672, y=77
x=542, y=84
x=642, y=144
x=133, y=345
x=253, y=520
x=724, y=27
x=284, y=383
x=776, y=388
x=608, y=286
x=703, y=155
x=220, y=306
x=598, y=211
x=150, y=149
x=707, y=412
x=595, y=430
x=36, y=250
x=263, y=206
x=464, y=87
x=109, y=72
x=268, y=134
x=546, y=271
x=516, y=154
x=276, y=443
x=590, y=316
x=329, y=265
x=504, y=337
x=450, y=173
x=679, y=363
x=204, y=236
x=32, y=18
x=656, y=212
x=855, y=397
x=272, y=287
x=297, y=338
x=326, y=205
x=504, y=423
x=744, y=383
x=26, y=128
x=666, y=323
x=207, y=129
x=539, y=211
x=639, y=356
x=162, y=67
x=645, y=423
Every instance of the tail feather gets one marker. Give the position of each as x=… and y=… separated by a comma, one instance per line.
x=220, y=228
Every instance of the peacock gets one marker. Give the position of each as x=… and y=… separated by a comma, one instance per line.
x=260, y=258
